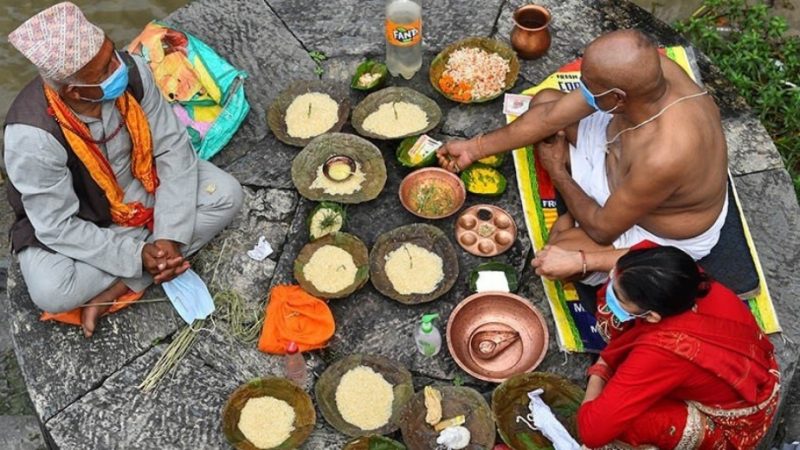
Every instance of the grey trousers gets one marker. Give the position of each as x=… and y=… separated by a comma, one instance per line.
x=57, y=283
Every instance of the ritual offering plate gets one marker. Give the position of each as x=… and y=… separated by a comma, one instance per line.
x=339, y=167
x=268, y=414
x=363, y=395
x=432, y=193
x=510, y=407
x=374, y=443
x=413, y=264
x=459, y=405
x=494, y=335
x=307, y=109
x=333, y=266
x=395, y=113
x=485, y=230
x=474, y=70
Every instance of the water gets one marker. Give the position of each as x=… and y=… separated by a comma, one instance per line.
x=404, y=60
x=122, y=20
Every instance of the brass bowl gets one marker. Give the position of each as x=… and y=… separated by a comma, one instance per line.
x=502, y=312
x=487, y=44
x=339, y=159
x=446, y=179
x=280, y=388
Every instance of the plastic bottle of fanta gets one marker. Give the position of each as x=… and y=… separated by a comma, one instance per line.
x=403, y=37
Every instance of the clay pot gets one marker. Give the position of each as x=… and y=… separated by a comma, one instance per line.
x=531, y=36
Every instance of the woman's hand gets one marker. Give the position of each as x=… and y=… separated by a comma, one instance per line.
x=555, y=263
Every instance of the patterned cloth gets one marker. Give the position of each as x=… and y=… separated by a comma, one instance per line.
x=59, y=40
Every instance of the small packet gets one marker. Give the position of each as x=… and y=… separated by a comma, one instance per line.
x=515, y=104
x=424, y=146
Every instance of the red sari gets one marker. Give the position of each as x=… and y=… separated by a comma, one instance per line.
x=706, y=379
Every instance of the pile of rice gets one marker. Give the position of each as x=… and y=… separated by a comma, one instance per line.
x=413, y=270
x=266, y=421
x=330, y=269
x=364, y=398
x=485, y=72
x=324, y=112
x=395, y=119
x=346, y=187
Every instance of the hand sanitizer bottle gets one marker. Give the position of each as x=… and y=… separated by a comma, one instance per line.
x=427, y=337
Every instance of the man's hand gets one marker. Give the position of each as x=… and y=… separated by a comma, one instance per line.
x=555, y=263
x=456, y=156
x=173, y=263
x=554, y=153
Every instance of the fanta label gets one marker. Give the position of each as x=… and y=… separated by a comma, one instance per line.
x=404, y=34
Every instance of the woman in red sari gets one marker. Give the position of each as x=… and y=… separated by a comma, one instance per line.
x=686, y=365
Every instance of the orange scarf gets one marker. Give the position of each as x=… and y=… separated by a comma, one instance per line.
x=294, y=315
x=133, y=214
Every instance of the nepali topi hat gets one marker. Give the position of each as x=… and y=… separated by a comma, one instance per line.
x=59, y=41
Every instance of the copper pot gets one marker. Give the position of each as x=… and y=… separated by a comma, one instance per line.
x=531, y=35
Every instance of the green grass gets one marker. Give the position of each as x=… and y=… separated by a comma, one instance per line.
x=754, y=51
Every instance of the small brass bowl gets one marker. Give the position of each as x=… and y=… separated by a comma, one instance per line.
x=410, y=192
x=497, y=312
x=336, y=160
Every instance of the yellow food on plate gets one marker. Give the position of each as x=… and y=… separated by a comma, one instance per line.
x=349, y=186
x=364, y=398
x=330, y=269
x=311, y=114
x=395, y=119
x=266, y=421
x=433, y=405
x=413, y=270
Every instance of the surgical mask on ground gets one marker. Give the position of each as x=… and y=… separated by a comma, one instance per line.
x=113, y=86
x=591, y=99
x=189, y=295
x=613, y=304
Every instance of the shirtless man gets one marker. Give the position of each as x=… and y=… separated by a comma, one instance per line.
x=637, y=153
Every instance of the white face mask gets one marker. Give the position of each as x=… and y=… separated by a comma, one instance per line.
x=189, y=295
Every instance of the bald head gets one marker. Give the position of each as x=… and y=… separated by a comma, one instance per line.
x=624, y=59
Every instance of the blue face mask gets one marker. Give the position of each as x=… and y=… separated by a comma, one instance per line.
x=591, y=99
x=113, y=86
x=616, y=309
x=190, y=296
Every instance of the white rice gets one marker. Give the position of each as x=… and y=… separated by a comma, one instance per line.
x=330, y=269
x=413, y=270
x=396, y=119
x=364, y=398
x=266, y=421
x=324, y=112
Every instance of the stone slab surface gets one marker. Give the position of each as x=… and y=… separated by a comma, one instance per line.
x=60, y=365
x=354, y=27
x=241, y=31
x=20, y=433
x=86, y=391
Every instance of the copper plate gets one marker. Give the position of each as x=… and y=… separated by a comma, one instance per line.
x=497, y=311
x=485, y=230
x=448, y=179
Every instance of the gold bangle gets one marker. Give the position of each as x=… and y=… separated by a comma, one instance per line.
x=583, y=262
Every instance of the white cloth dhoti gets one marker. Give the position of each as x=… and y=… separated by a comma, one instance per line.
x=588, y=163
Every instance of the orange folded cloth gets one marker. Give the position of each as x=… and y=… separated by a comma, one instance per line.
x=295, y=315
x=73, y=316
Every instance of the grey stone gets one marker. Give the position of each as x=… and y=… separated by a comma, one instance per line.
x=224, y=263
x=59, y=365
x=241, y=31
x=750, y=148
x=352, y=27
x=20, y=433
x=773, y=216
